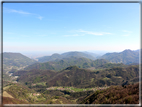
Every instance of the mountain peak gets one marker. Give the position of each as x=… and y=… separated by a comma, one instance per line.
x=72, y=68
x=55, y=54
x=127, y=50
x=127, y=57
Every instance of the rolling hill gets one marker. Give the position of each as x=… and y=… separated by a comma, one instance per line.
x=77, y=77
x=15, y=61
x=65, y=55
x=93, y=54
x=126, y=57
x=73, y=61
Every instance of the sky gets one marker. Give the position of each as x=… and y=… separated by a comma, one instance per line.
x=62, y=27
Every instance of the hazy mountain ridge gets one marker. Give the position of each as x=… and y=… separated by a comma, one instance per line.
x=65, y=55
x=93, y=54
x=78, y=54
x=73, y=61
x=49, y=58
x=126, y=57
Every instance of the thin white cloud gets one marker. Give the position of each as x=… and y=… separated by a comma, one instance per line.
x=73, y=35
x=83, y=32
x=25, y=36
x=94, y=33
x=22, y=12
x=18, y=11
x=32, y=35
x=127, y=31
x=40, y=17
x=42, y=35
x=126, y=35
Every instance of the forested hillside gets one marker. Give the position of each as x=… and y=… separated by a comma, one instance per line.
x=115, y=95
x=77, y=77
x=126, y=57
x=15, y=61
x=65, y=55
x=74, y=61
x=71, y=79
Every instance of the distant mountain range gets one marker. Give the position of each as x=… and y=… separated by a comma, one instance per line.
x=61, y=61
x=65, y=55
x=126, y=57
x=93, y=54
x=73, y=61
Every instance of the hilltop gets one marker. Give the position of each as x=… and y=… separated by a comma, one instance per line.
x=127, y=57
x=65, y=55
x=15, y=61
x=73, y=61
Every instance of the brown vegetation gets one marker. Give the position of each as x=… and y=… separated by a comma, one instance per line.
x=7, y=100
x=115, y=95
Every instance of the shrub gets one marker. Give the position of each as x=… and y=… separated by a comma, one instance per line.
x=56, y=97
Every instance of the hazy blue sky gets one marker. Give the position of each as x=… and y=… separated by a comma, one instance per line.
x=31, y=27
